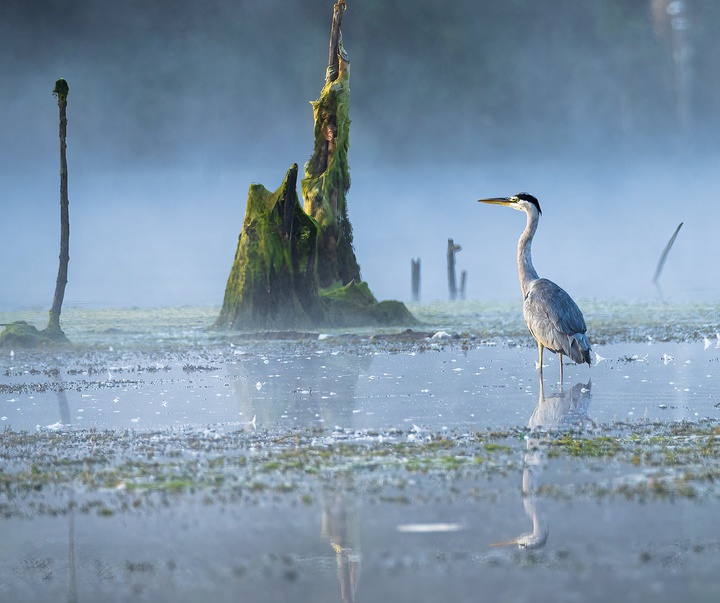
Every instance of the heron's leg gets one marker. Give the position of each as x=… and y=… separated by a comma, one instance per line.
x=561, y=367
x=540, y=351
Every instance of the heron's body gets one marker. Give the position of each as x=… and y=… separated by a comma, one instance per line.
x=554, y=319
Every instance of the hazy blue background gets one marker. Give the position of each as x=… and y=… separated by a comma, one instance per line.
x=605, y=110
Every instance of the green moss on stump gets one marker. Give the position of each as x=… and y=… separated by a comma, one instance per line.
x=272, y=281
x=354, y=305
x=20, y=334
x=391, y=312
x=285, y=255
x=353, y=293
x=61, y=90
x=327, y=181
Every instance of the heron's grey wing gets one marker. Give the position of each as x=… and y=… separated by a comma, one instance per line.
x=555, y=320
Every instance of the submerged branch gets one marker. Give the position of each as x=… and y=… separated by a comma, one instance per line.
x=665, y=253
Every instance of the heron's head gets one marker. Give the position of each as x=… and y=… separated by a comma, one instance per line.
x=522, y=202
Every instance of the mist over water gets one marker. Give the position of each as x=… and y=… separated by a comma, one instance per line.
x=175, y=108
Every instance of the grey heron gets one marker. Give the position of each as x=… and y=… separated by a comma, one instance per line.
x=554, y=319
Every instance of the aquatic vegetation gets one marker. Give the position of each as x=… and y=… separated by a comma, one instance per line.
x=110, y=470
x=601, y=446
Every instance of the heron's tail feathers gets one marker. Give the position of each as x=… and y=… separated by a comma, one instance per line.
x=579, y=348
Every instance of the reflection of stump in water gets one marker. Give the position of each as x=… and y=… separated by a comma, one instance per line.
x=296, y=386
x=65, y=419
x=560, y=411
x=299, y=386
x=340, y=528
x=72, y=580
x=64, y=406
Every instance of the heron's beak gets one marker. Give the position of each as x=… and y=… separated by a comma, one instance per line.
x=508, y=201
x=506, y=543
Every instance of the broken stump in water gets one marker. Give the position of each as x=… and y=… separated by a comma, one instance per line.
x=452, y=249
x=327, y=173
x=295, y=266
x=272, y=283
x=415, y=279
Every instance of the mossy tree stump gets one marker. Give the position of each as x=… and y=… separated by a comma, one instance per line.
x=295, y=266
x=272, y=282
x=20, y=334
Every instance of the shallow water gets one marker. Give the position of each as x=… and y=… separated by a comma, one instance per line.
x=480, y=387
x=260, y=554
x=207, y=504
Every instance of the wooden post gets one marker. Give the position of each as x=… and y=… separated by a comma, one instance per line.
x=53, y=329
x=451, y=251
x=415, y=279
x=335, y=36
x=463, y=281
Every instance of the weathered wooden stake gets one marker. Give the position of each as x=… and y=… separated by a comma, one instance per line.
x=415, y=279
x=452, y=284
x=53, y=329
x=463, y=281
x=333, y=69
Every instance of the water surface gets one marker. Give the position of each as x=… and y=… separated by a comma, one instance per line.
x=328, y=467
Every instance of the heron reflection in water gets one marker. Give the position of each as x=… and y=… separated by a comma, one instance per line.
x=557, y=412
x=340, y=528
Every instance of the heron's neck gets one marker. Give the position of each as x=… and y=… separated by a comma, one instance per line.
x=526, y=270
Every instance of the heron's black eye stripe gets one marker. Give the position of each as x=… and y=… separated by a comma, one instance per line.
x=530, y=199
